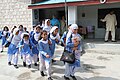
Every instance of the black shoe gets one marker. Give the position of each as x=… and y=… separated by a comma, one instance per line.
x=21, y=57
x=50, y=78
x=38, y=59
x=73, y=77
x=42, y=73
x=16, y=66
x=114, y=41
x=9, y=63
x=66, y=78
x=29, y=66
x=53, y=60
x=35, y=64
x=1, y=51
x=24, y=64
x=106, y=41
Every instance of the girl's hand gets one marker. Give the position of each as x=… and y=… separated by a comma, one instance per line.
x=49, y=42
x=47, y=56
x=56, y=40
x=64, y=45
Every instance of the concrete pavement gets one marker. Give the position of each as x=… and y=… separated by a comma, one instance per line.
x=101, y=62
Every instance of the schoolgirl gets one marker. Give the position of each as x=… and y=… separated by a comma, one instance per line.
x=47, y=26
x=45, y=55
x=26, y=45
x=13, y=49
x=72, y=46
x=4, y=36
x=35, y=38
x=55, y=38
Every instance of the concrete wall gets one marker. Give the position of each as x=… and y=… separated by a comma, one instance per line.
x=15, y=12
x=91, y=15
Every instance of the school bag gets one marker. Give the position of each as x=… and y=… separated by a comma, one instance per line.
x=67, y=56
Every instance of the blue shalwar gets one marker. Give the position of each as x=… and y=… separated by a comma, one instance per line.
x=35, y=51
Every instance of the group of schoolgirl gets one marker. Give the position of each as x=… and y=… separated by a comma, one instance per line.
x=40, y=43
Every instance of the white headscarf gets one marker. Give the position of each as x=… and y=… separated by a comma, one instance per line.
x=72, y=27
x=15, y=30
x=51, y=35
x=46, y=22
x=47, y=28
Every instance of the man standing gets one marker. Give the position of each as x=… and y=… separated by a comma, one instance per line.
x=111, y=23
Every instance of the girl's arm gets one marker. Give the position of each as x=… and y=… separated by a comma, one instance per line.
x=31, y=43
x=69, y=43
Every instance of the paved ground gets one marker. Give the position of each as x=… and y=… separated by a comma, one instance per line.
x=101, y=62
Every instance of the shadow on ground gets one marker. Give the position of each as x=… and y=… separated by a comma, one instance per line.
x=101, y=78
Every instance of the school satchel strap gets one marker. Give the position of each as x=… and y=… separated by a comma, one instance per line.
x=68, y=57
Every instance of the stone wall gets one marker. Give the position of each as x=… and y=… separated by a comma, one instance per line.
x=15, y=13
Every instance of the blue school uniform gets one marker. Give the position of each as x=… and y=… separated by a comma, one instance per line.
x=63, y=37
x=31, y=33
x=4, y=37
x=26, y=48
x=53, y=44
x=70, y=68
x=12, y=49
x=34, y=49
x=69, y=46
x=44, y=49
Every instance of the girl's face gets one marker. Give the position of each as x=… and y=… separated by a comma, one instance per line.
x=44, y=35
x=26, y=38
x=38, y=30
x=21, y=28
x=5, y=29
x=75, y=40
x=55, y=32
x=75, y=31
x=17, y=33
x=48, y=22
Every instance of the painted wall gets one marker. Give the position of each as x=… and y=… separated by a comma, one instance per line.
x=15, y=13
x=91, y=15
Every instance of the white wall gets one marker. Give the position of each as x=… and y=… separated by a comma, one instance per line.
x=91, y=15
x=72, y=14
x=15, y=13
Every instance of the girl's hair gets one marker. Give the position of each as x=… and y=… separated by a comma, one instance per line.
x=13, y=29
x=40, y=37
x=25, y=35
x=5, y=28
x=21, y=26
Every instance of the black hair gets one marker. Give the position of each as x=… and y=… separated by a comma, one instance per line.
x=5, y=28
x=40, y=37
x=13, y=29
x=21, y=26
x=25, y=35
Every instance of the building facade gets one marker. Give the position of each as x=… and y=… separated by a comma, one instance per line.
x=15, y=13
